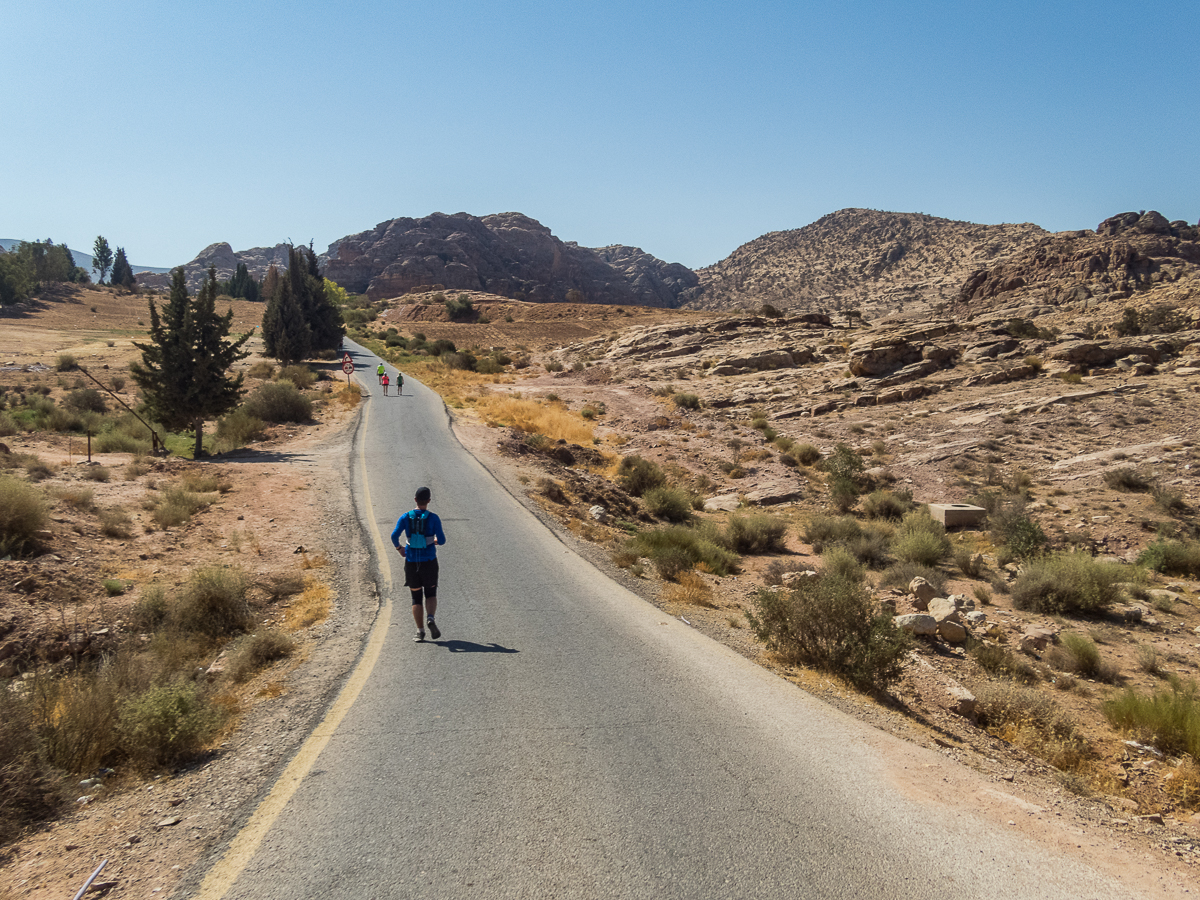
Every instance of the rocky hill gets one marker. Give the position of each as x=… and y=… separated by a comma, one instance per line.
x=508, y=254
x=1135, y=258
x=860, y=259
x=226, y=260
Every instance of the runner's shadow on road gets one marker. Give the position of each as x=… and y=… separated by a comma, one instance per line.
x=470, y=647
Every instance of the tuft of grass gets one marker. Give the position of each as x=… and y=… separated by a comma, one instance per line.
x=829, y=622
x=638, y=475
x=239, y=428
x=901, y=575
x=115, y=522
x=257, y=650
x=23, y=514
x=1002, y=663
x=686, y=401
x=30, y=789
x=1080, y=655
x=97, y=473
x=114, y=587
x=806, y=454
x=679, y=548
x=205, y=483
x=302, y=377
x=1148, y=660
x=150, y=611
x=1172, y=557
x=690, y=589
x=1168, y=718
x=310, y=606
x=755, y=534
x=1067, y=583
x=1028, y=718
x=175, y=506
x=669, y=503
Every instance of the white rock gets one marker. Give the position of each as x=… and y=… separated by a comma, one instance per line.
x=917, y=623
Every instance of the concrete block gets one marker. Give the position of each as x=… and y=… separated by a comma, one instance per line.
x=956, y=515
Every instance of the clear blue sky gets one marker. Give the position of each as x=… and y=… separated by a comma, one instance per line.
x=686, y=129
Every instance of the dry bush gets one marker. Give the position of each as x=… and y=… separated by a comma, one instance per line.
x=552, y=490
x=1184, y=783
x=1127, y=480
x=532, y=417
x=238, y=428
x=301, y=376
x=755, y=534
x=212, y=603
x=350, y=395
x=310, y=606
x=691, y=589
x=902, y=573
x=1002, y=663
x=257, y=650
x=82, y=498
x=1031, y=720
x=1080, y=655
x=1168, y=718
x=261, y=369
x=29, y=789
x=278, y=401
x=205, y=483
x=830, y=623
x=777, y=568
x=638, y=475
x=669, y=503
x=97, y=473
x=315, y=561
x=1067, y=583
x=284, y=585
x=1148, y=660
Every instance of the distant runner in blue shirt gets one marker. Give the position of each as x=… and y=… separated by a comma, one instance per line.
x=424, y=530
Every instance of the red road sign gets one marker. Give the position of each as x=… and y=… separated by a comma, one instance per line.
x=348, y=366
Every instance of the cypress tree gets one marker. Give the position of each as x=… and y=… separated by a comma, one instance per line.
x=286, y=335
x=308, y=287
x=184, y=373
x=122, y=272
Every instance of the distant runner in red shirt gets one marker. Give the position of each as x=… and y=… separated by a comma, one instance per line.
x=384, y=381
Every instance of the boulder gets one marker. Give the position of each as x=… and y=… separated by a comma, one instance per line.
x=922, y=592
x=962, y=702
x=917, y=623
x=943, y=610
x=952, y=632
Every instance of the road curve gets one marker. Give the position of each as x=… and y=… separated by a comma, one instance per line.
x=565, y=739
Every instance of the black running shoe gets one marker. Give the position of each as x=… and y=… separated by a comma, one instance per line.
x=420, y=638
x=434, y=631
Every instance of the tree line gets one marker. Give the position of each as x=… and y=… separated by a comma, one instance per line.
x=30, y=265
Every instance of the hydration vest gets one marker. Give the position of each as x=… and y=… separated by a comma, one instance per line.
x=418, y=529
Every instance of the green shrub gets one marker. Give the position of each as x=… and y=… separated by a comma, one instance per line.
x=66, y=363
x=7, y=426
x=86, y=400
x=278, y=401
x=638, y=475
x=97, y=473
x=114, y=587
x=807, y=454
x=463, y=360
x=686, y=401
x=1003, y=704
x=257, y=650
x=238, y=428
x=829, y=622
x=1179, y=558
x=670, y=503
x=753, y=534
x=1012, y=526
x=22, y=515
x=1067, y=583
x=168, y=723
x=839, y=562
x=213, y=603
x=460, y=307
x=887, y=505
x=700, y=545
x=490, y=365
x=921, y=539
x=822, y=531
x=1169, y=718
x=301, y=376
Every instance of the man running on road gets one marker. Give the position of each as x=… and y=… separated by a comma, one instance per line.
x=399, y=382
x=424, y=530
x=379, y=372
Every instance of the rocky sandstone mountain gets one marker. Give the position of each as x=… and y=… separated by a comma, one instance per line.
x=1137, y=257
x=860, y=259
x=508, y=254
x=221, y=255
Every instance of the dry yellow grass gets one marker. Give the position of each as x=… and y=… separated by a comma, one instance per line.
x=309, y=606
x=691, y=589
x=554, y=421
x=348, y=395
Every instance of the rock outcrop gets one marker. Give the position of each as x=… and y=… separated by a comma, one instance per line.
x=257, y=260
x=508, y=254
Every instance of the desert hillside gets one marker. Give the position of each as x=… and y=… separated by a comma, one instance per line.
x=860, y=259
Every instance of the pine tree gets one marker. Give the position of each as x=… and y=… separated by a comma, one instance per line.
x=308, y=287
x=270, y=282
x=122, y=272
x=242, y=284
x=102, y=257
x=184, y=373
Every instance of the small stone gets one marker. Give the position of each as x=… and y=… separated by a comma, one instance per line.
x=1154, y=818
x=168, y=822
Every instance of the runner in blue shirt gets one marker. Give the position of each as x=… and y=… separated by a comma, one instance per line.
x=424, y=530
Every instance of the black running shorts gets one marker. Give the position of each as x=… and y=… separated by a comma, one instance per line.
x=418, y=575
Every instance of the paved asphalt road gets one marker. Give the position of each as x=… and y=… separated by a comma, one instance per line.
x=565, y=739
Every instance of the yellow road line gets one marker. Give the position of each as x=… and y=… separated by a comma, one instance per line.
x=245, y=844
